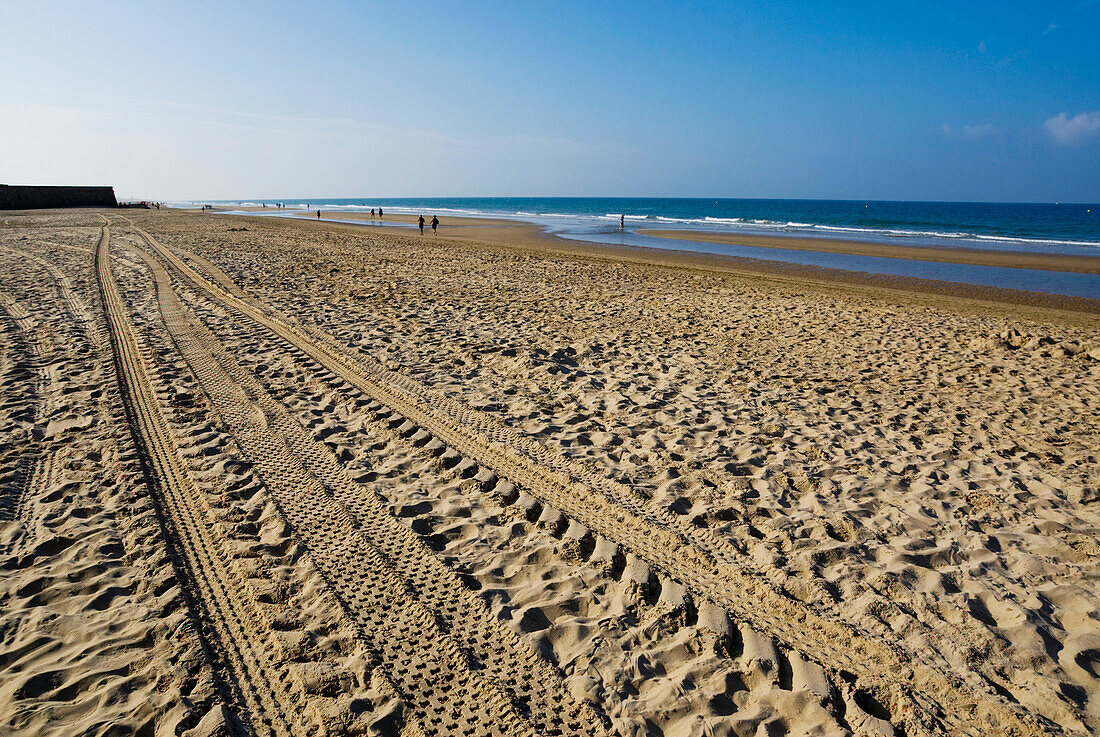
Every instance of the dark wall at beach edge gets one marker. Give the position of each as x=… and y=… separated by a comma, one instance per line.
x=36, y=198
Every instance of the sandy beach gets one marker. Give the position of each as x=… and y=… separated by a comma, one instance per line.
x=270, y=476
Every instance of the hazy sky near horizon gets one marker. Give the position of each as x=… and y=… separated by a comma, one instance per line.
x=994, y=101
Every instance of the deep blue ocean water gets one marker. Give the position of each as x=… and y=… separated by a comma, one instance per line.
x=1035, y=227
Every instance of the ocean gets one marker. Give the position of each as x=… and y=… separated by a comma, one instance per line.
x=1034, y=227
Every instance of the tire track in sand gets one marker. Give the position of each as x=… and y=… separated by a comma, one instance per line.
x=233, y=637
x=75, y=306
x=925, y=699
x=37, y=467
x=390, y=582
x=32, y=468
x=399, y=454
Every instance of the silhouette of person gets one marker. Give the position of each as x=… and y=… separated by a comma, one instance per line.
x=435, y=224
x=622, y=218
x=318, y=213
x=420, y=222
x=379, y=213
x=372, y=213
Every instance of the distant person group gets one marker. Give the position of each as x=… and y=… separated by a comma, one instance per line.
x=435, y=224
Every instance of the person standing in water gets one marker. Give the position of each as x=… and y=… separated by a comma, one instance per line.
x=372, y=213
x=379, y=213
x=435, y=224
x=622, y=218
x=420, y=222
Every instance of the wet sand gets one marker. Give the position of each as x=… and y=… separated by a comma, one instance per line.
x=987, y=257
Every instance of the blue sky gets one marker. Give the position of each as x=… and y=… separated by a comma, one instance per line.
x=991, y=101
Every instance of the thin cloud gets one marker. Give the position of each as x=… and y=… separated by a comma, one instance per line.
x=978, y=131
x=1050, y=28
x=982, y=48
x=1068, y=131
x=1006, y=61
x=970, y=132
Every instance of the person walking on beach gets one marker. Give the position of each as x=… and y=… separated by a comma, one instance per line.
x=318, y=213
x=420, y=222
x=435, y=224
x=372, y=213
x=379, y=213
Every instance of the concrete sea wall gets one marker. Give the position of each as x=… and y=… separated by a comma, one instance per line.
x=32, y=198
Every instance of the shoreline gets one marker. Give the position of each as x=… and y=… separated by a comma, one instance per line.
x=942, y=254
x=529, y=236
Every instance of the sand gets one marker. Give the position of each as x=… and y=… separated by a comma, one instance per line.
x=270, y=476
